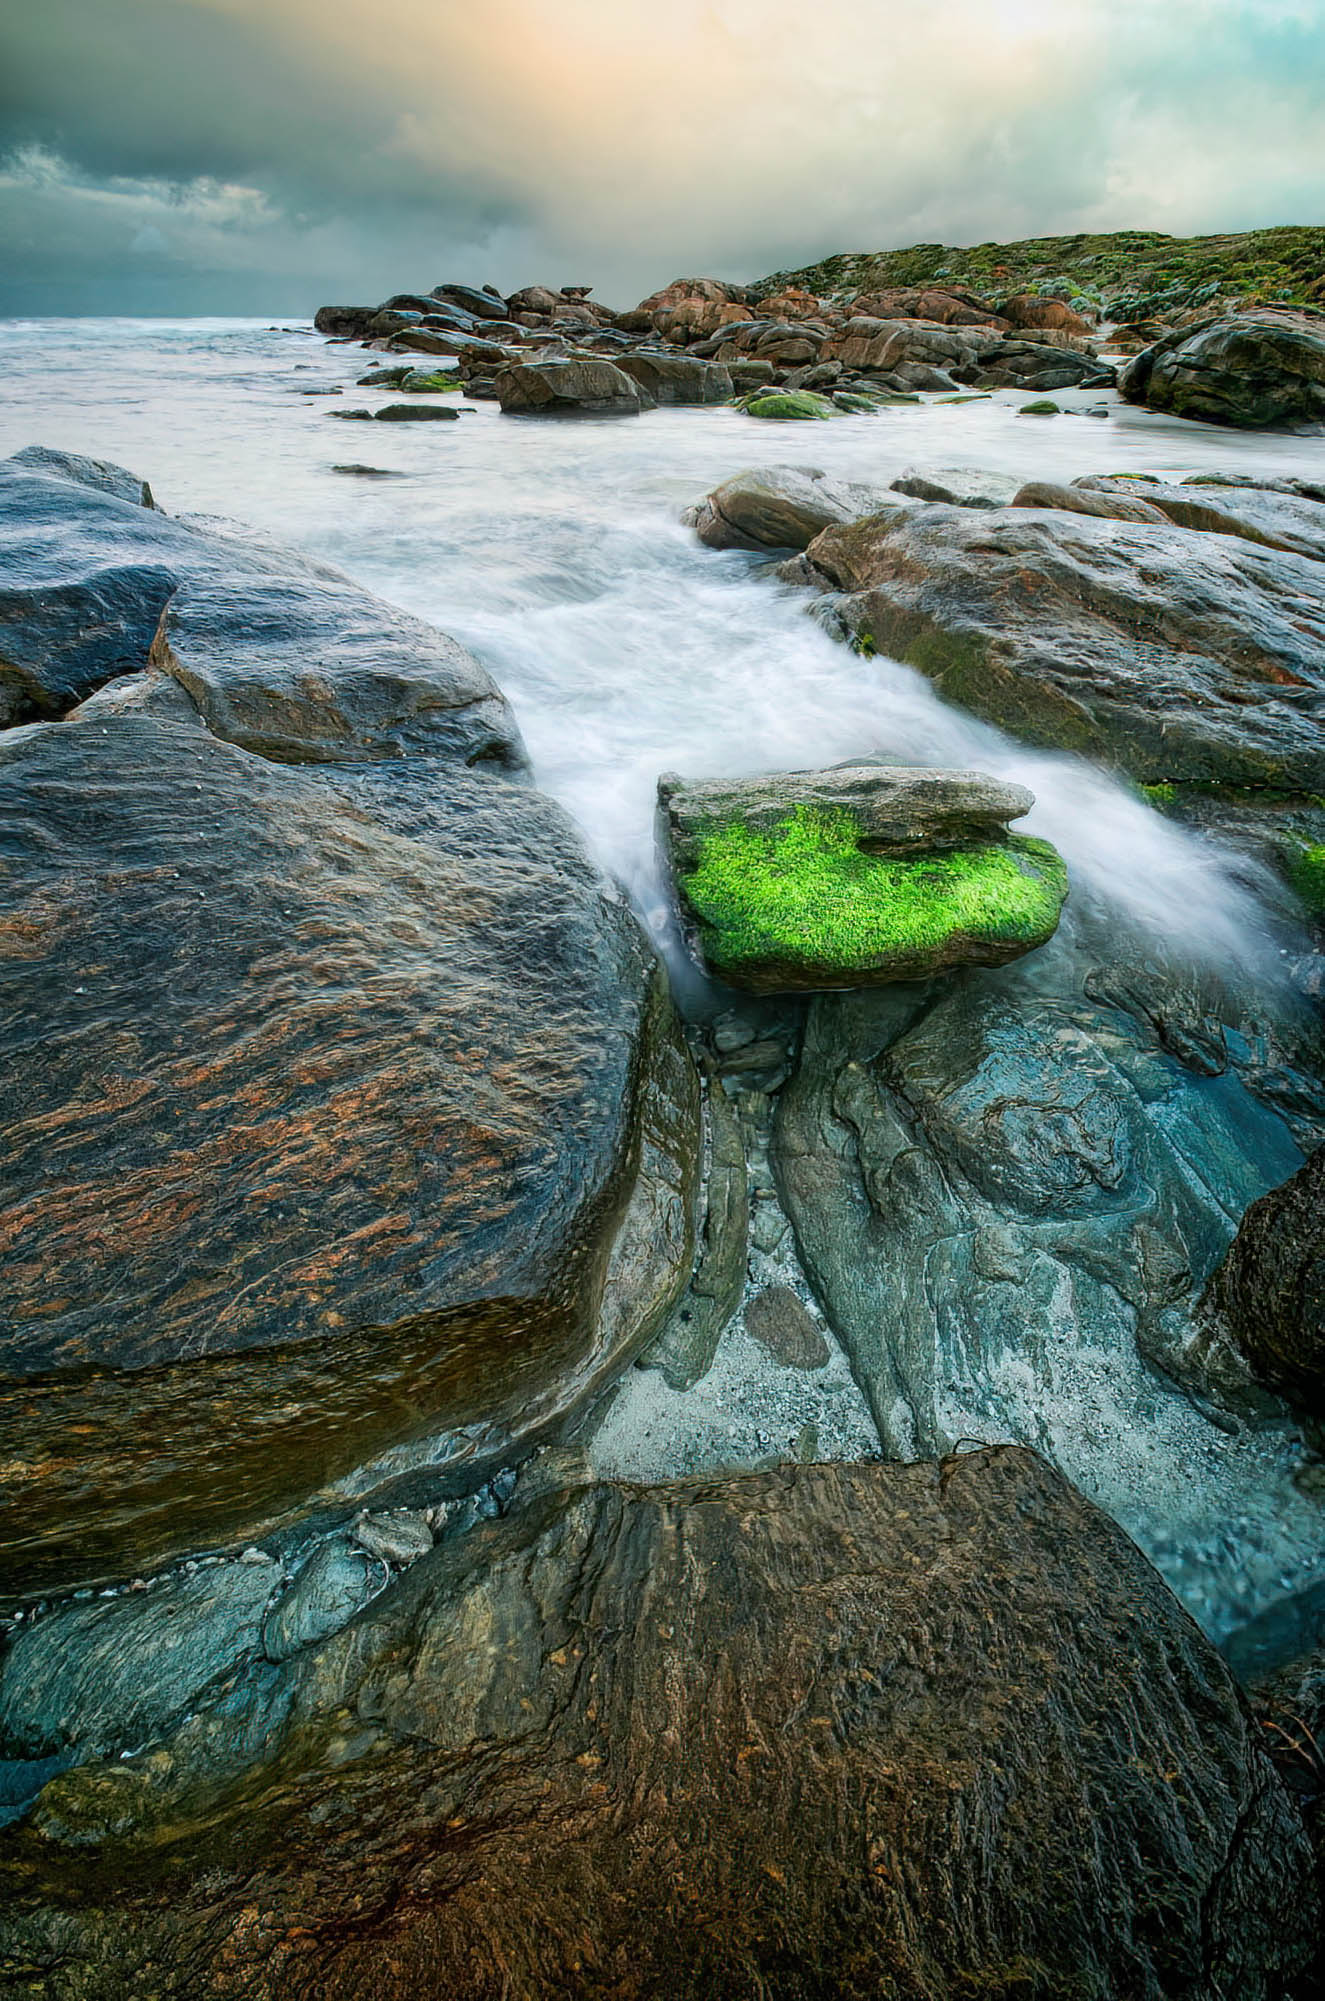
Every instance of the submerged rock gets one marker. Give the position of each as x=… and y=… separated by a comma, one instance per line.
x=340, y=1089
x=856, y=876
x=1180, y=657
x=841, y=1729
x=1251, y=369
x=778, y=1320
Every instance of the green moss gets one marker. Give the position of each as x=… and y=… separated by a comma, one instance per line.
x=1162, y=797
x=789, y=403
x=1042, y=407
x=805, y=897
x=1307, y=875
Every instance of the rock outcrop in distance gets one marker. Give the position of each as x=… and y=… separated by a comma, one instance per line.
x=1251, y=370
x=343, y=1099
x=851, y=1730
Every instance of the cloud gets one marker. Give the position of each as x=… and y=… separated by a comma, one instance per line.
x=289, y=151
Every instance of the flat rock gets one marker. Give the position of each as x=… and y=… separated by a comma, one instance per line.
x=1176, y=656
x=864, y=1729
x=960, y=486
x=780, y=507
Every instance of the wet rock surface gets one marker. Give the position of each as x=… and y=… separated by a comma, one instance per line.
x=857, y=875
x=1253, y=369
x=359, y=1113
x=1178, y=656
x=1269, y=1292
x=779, y=507
x=909, y=1693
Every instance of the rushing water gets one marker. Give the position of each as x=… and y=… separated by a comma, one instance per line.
x=554, y=550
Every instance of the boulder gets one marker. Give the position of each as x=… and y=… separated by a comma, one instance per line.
x=484, y=305
x=1253, y=370
x=675, y=378
x=1177, y=657
x=779, y=507
x=838, y=1730
x=960, y=486
x=1269, y=1292
x=940, y=307
x=1121, y=503
x=856, y=876
x=567, y=387
x=98, y=474
x=359, y=1116
x=1028, y=309
x=345, y=322
x=415, y=413
x=779, y=1320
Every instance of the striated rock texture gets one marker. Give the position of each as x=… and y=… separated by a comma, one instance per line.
x=343, y=1103
x=1269, y=1293
x=921, y=1730
x=1249, y=369
x=856, y=876
x=1179, y=657
x=566, y=386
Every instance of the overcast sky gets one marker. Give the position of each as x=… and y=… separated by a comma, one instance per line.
x=265, y=156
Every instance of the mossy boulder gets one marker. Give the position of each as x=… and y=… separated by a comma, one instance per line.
x=790, y=403
x=858, y=876
x=429, y=381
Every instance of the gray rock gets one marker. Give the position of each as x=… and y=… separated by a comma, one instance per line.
x=1117, y=504
x=547, y=388
x=98, y=474
x=684, y=1351
x=780, y=507
x=400, y=1538
x=897, y=808
x=108, y=1675
x=1178, y=657
x=1252, y=369
x=1269, y=1292
x=962, y=486
x=415, y=413
x=334, y=1583
x=676, y=378
x=484, y=305
x=1289, y=521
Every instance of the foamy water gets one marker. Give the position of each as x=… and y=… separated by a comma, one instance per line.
x=554, y=550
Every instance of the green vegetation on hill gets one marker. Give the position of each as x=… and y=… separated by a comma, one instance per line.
x=1136, y=270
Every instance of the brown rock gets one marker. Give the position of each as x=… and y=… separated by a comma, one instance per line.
x=849, y=1731
x=779, y=1322
x=1269, y=1293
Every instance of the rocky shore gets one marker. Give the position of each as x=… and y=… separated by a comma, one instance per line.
x=366, y=1185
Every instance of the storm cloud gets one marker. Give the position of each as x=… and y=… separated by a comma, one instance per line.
x=264, y=155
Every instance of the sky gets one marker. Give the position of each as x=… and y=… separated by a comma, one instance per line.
x=266, y=156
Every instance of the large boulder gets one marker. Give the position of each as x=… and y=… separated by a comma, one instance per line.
x=1277, y=520
x=1250, y=369
x=345, y=322
x=565, y=387
x=942, y=307
x=1179, y=657
x=1269, y=1292
x=675, y=378
x=484, y=305
x=841, y=1730
x=856, y=876
x=343, y=1106
x=779, y=507
x=1028, y=309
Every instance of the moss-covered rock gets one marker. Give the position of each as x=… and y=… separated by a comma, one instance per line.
x=790, y=403
x=846, y=885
